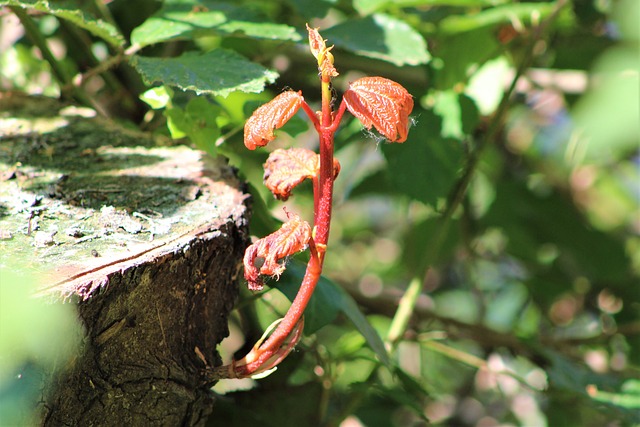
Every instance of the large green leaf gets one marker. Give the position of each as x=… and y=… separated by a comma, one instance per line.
x=180, y=19
x=426, y=165
x=218, y=72
x=382, y=37
x=72, y=12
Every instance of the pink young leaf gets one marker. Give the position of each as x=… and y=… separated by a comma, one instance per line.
x=292, y=237
x=258, y=130
x=381, y=103
x=285, y=169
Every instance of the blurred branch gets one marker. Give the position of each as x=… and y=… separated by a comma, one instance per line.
x=454, y=353
x=388, y=300
x=470, y=359
x=403, y=315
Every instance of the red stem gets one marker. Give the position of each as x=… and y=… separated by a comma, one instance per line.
x=323, y=199
x=322, y=209
x=278, y=337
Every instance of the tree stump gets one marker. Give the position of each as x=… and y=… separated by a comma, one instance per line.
x=147, y=240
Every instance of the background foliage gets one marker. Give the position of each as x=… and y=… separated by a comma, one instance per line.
x=484, y=272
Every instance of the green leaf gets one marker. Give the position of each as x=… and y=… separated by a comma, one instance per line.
x=533, y=220
x=505, y=307
x=203, y=128
x=313, y=8
x=365, y=7
x=607, y=116
x=382, y=37
x=72, y=12
x=198, y=121
x=176, y=122
x=295, y=126
x=524, y=12
x=420, y=236
x=462, y=53
x=426, y=165
x=328, y=299
x=218, y=72
x=187, y=19
x=156, y=97
x=352, y=311
x=459, y=113
x=486, y=86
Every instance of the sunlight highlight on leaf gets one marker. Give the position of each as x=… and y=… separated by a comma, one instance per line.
x=258, y=130
x=381, y=103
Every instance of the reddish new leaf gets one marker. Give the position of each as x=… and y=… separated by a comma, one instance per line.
x=381, y=103
x=285, y=169
x=258, y=130
x=292, y=237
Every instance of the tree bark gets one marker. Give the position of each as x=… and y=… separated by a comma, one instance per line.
x=146, y=240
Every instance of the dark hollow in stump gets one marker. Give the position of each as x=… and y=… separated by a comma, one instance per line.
x=146, y=239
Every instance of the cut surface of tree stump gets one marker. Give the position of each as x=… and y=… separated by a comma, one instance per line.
x=147, y=240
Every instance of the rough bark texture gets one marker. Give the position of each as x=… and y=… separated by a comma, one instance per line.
x=146, y=240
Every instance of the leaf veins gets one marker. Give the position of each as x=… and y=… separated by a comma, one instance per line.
x=258, y=130
x=381, y=103
x=285, y=169
x=292, y=237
